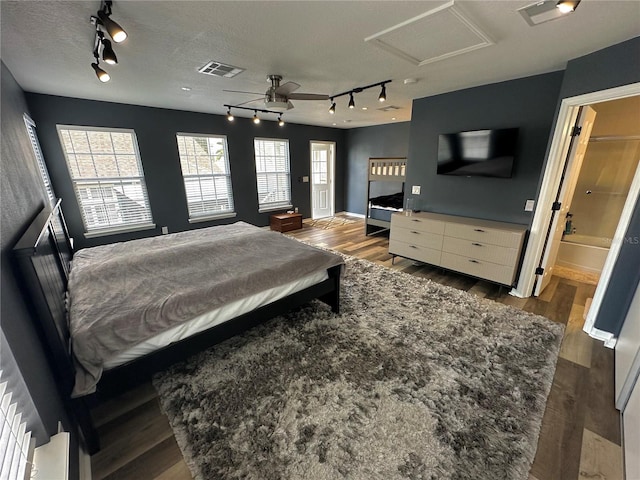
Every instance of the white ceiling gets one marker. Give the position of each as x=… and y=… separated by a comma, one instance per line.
x=321, y=45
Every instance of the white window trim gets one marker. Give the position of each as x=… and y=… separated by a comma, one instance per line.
x=209, y=216
x=271, y=207
x=99, y=232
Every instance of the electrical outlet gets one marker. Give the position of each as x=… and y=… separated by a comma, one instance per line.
x=528, y=206
x=415, y=190
x=165, y=230
x=305, y=179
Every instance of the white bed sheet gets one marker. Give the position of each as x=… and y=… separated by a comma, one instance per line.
x=215, y=317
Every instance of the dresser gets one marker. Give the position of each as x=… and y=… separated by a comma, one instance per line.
x=481, y=248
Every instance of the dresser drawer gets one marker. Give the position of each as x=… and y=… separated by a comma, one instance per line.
x=414, y=222
x=416, y=237
x=478, y=268
x=415, y=252
x=481, y=251
x=483, y=234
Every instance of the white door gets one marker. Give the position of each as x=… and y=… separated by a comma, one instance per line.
x=565, y=193
x=322, y=160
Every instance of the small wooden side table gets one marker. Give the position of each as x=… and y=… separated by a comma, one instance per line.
x=284, y=222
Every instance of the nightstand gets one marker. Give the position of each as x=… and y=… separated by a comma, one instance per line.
x=284, y=222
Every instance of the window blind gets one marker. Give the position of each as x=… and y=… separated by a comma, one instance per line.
x=206, y=174
x=273, y=175
x=15, y=440
x=42, y=167
x=106, y=171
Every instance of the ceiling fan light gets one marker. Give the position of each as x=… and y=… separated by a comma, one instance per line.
x=383, y=94
x=100, y=73
x=566, y=6
x=256, y=119
x=116, y=32
x=280, y=121
x=332, y=108
x=108, y=55
x=230, y=116
x=352, y=103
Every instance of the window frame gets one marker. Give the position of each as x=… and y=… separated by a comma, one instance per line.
x=273, y=206
x=92, y=232
x=194, y=218
x=42, y=166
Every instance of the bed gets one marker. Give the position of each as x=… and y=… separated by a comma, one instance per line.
x=385, y=192
x=110, y=316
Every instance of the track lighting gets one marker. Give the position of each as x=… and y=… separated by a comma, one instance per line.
x=100, y=73
x=567, y=6
x=383, y=94
x=255, y=118
x=352, y=103
x=115, y=31
x=108, y=55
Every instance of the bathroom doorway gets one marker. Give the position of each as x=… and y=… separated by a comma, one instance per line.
x=603, y=183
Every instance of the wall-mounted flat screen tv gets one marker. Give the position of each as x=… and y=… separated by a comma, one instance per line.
x=484, y=153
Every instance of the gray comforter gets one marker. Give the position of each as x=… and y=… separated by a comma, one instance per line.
x=124, y=293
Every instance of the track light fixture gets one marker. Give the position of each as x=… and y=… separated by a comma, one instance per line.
x=103, y=45
x=383, y=94
x=352, y=103
x=115, y=31
x=567, y=6
x=255, y=111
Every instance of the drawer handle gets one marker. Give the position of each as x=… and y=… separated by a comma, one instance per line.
x=413, y=246
x=477, y=244
x=478, y=230
x=413, y=231
x=474, y=261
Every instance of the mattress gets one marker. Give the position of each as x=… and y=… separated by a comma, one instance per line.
x=213, y=318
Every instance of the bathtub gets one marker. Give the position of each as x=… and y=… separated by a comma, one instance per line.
x=583, y=252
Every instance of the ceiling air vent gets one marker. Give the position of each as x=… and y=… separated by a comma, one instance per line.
x=541, y=12
x=218, y=69
x=389, y=108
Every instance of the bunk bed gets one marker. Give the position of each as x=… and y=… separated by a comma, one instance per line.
x=385, y=192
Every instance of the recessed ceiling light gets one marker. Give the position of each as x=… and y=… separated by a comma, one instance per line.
x=364, y=108
x=186, y=89
x=393, y=118
x=334, y=123
x=409, y=81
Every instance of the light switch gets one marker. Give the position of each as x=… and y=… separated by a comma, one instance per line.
x=528, y=207
x=305, y=179
x=165, y=230
x=415, y=190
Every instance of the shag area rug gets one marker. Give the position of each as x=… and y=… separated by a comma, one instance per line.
x=414, y=380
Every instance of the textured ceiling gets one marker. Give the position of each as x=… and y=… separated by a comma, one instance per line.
x=47, y=46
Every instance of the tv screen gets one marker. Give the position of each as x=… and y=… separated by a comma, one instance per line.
x=484, y=153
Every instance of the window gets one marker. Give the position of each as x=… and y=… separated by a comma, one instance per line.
x=44, y=173
x=107, y=176
x=207, y=178
x=272, y=174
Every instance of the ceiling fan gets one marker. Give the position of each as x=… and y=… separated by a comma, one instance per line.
x=278, y=97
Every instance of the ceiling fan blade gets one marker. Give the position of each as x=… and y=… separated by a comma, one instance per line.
x=308, y=96
x=240, y=91
x=287, y=88
x=289, y=105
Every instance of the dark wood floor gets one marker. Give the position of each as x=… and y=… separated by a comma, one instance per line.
x=580, y=434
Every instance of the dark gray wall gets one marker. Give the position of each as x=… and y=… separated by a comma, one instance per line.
x=156, y=130
x=527, y=103
x=612, y=67
x=390, y=140
x=23, y=196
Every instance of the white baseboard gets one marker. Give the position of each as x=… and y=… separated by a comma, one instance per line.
x=351, y=214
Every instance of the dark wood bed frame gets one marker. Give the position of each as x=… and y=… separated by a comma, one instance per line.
x=43, y=257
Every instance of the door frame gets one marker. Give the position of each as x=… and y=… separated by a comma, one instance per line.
x=558, y=150
x=330, y=171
